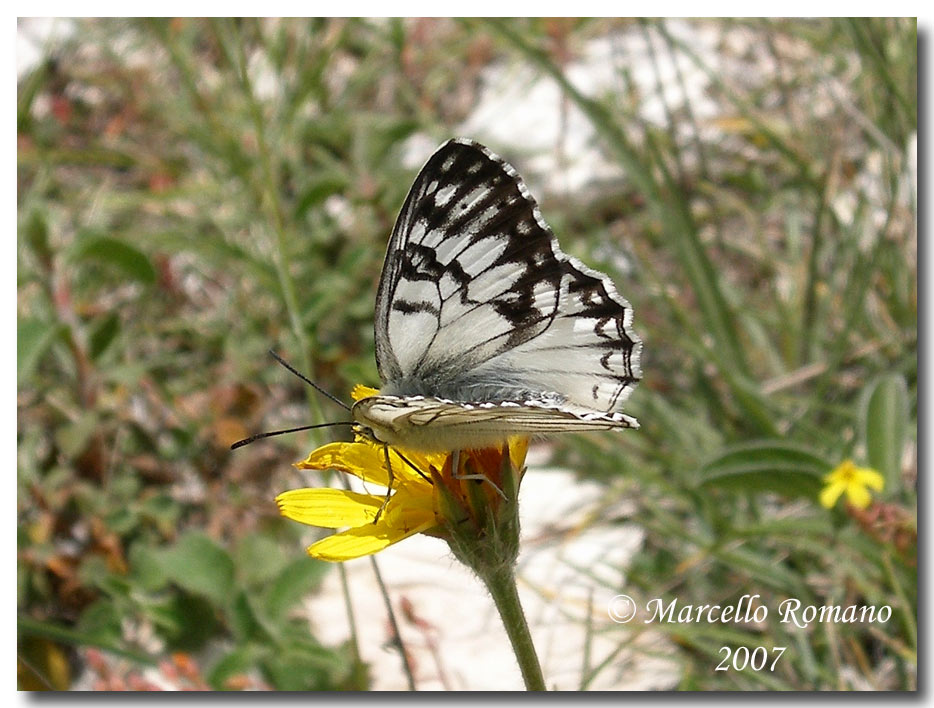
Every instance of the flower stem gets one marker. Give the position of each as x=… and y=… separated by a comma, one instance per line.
x=501, y=582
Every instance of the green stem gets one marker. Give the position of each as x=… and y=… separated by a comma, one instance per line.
x=501, y=583
x=397, y=636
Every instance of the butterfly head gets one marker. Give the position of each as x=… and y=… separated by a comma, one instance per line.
x=374, y=420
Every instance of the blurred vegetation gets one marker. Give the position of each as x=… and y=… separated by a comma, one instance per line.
x=192, y=193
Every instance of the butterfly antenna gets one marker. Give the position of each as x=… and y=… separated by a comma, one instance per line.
x=254, y=438
x=308, y=381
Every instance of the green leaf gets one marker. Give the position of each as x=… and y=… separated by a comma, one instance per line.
x=800, y=528
x=36, y=232
x=186, y=621
x=245, y=622
x=27, y=626
x=146, y=569
x=766, y=465
x=33, y=339
x=238, y=662
x=259, y=559
x=93, y=572
x=765, y=569
x=73, y=437
x=122, y=520
x=199, y=565
x=103, y=335
x=884, y=414
x=107, y=250
x=303, y=665
x=293, y=583
x=101, y=621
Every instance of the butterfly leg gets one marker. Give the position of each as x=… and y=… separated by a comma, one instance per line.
x=388, y=485
x=455, y=468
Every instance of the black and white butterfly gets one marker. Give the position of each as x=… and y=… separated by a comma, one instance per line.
x=484, y=328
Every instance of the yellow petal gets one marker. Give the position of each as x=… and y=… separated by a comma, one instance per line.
x=518, y=448
x=329, y=508
x=371, y=538
x=410, y=498
x=857, y=495
x=359, y=459
x=367, y=461
x=407, y=464
x=870, y=478
x=830, y=493
x=841, y=472
x=360, y=392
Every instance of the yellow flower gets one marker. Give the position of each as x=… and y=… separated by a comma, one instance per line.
x=853, y=480
x=425, y=493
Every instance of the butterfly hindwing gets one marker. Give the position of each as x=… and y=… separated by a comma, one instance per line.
x=436, y=424
x=477, y=302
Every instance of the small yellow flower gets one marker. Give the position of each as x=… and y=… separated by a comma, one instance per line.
x=853, y=480
x=424, y=489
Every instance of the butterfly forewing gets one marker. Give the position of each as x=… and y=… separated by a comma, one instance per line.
x=477, y=303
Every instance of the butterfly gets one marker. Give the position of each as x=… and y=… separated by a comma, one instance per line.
x=484, y=328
